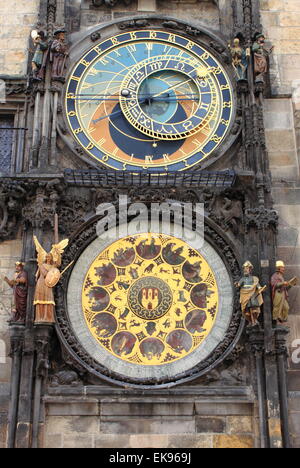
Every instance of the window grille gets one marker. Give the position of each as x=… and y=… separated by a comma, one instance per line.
x=6, y=142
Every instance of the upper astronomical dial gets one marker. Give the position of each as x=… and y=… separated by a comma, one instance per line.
x=154, y=89
x=149, y=100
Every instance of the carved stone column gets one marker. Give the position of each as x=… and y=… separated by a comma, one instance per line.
x=261, y=225
x=46, y=95
x=12, y=197
x=38, y=219
x=37, y=93
x=16, y=332
x=23, y=432
x=282, y=354
x=42, y=336
x=256, y=342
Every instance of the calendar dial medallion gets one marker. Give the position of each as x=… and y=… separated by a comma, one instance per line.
x=150, y=299
x=149, y=100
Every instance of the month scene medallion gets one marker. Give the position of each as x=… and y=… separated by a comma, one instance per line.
x=150, y=299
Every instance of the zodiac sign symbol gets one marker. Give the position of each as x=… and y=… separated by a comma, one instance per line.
x=164, y=271
x=149, y=269
x=181, y=296
x=123, y=285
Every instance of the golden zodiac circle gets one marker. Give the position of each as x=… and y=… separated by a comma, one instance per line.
x=150, y=299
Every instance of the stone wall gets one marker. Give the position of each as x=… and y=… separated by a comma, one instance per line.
x=9, y=254
x=281, y=20
x=201, y=12
x=150, y=423
x=89, y=422
x=17, y=17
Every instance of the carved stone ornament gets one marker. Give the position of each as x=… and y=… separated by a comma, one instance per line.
x=15, y=88
x=37, y=202
x=95, y=36
x=233, y=371
x=65, y=377
x=261, y=218
x=42, y=204
x=11, y=201
x=246, y=24
x=281, y=334
x=34, y=202
x=75, y=351
x=110, y=3
x=139, y=23
x=224, y=207
x=42, y=364
x=16, y=340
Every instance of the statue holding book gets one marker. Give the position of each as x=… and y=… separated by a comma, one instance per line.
x=261, y=56
x=251, y=295
x=280, y=293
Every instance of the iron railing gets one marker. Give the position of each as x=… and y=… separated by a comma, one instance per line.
x=98, y=178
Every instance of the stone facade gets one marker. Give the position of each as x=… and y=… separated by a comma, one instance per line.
x=185, y=10
x=17, y=19
x=10, y=252
x=192, y=422
x=281, y=23
x=281, y=20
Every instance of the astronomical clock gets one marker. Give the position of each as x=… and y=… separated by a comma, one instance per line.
x=137, y=149
x=149, y=100
x=149, y=308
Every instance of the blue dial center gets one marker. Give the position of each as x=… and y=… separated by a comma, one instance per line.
x=156, y=99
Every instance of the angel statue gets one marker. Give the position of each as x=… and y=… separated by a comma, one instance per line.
x=47, y=277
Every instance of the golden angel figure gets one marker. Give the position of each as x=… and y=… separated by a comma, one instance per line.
x=47, y=277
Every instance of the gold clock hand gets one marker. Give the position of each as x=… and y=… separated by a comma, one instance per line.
x=172, y=87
